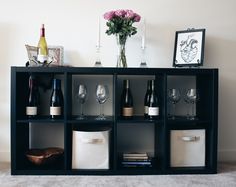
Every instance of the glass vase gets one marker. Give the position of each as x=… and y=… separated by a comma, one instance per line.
x=121, y=58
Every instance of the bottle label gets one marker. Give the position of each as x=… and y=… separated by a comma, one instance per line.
x=56, y=111
x=31, y=110
x=146, y=109
x=42, y=58
x=127, y=111
x=153, y=111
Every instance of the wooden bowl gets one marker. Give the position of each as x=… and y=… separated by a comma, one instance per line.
x=44, y=156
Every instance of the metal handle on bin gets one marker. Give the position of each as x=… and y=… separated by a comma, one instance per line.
x=93, y=140
x=189, y=138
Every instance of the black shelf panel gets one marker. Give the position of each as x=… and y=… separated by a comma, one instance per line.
x=120, y=171
x=138, y=119
x=184, y=120
x=31, y=167
x=40, y=119
x=132, y=171
x=185, y=124
x=190, y=170
x=139, y=171
x=38, y=172
x=123, y=171
x=120, y=71
x=89, y=171
x=90, y=120
x=26, y=165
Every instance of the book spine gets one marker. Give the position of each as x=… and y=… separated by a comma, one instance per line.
x=136, y=163
x=138, y=159
x=137, y=155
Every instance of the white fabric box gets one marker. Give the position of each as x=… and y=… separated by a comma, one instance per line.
x=90, y=149
x=187, y=148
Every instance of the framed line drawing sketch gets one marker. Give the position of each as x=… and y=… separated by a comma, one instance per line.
x=189, y=47
x=55, y=54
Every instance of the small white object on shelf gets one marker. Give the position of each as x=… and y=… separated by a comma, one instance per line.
x=99, y=34
x=144, y=35
x=98, y=62
x=143, y=63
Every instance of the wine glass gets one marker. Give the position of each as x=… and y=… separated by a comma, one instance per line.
x=187, y=101
x=81, y=95
x=193, y=97
x=102, y=94
x=174, y=97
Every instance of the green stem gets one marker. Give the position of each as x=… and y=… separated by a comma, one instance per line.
x=121, y=61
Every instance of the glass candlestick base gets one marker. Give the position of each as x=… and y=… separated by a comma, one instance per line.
x=143, y=65
x=98, y=64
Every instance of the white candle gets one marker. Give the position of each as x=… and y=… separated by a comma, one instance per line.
x=99, y=34
x=144, y=34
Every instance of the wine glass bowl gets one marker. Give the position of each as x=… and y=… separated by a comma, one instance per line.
x=81, y=95
x=192, y=96
x=174, y=97
x=102, y=94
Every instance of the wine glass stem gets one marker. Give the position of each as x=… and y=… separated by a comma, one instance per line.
x=173, y=114
x=101, y=109
x=81, y=107
x=192, y=110
x=188, y=107
x=169, y=108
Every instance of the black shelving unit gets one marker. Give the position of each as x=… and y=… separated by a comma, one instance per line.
x=205, y=80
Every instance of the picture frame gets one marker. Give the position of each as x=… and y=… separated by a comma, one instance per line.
x=189, y=48
x=55, y=54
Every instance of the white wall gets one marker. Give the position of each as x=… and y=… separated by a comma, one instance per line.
x=73, y=24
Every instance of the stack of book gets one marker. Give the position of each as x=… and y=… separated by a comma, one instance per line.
x=136, y=160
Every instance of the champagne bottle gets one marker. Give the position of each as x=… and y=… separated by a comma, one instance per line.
x=33, y=98
x=42, y=47
x=147, y=98
x=126, y=100
x=153, y=105
x=56, y=101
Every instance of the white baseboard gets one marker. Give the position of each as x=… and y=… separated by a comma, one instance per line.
x=5, y=156
x=227, y=155
x=224, y=155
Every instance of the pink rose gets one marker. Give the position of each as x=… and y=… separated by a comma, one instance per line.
x=120, y=13
x=109, y=15
x=137, y=17
x=129, y=14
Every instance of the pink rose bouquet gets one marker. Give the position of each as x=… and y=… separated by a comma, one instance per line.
x=120, y=23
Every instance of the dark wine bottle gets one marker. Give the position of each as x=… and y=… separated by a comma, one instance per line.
x=33, y=98
x=126, y=100
x=153, y=104
x=147, y=98
x=56, y=101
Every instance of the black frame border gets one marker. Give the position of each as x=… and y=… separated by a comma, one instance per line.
x=202, y=48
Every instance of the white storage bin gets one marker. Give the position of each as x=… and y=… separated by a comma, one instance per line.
x=90, y=149
x=187, y=148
